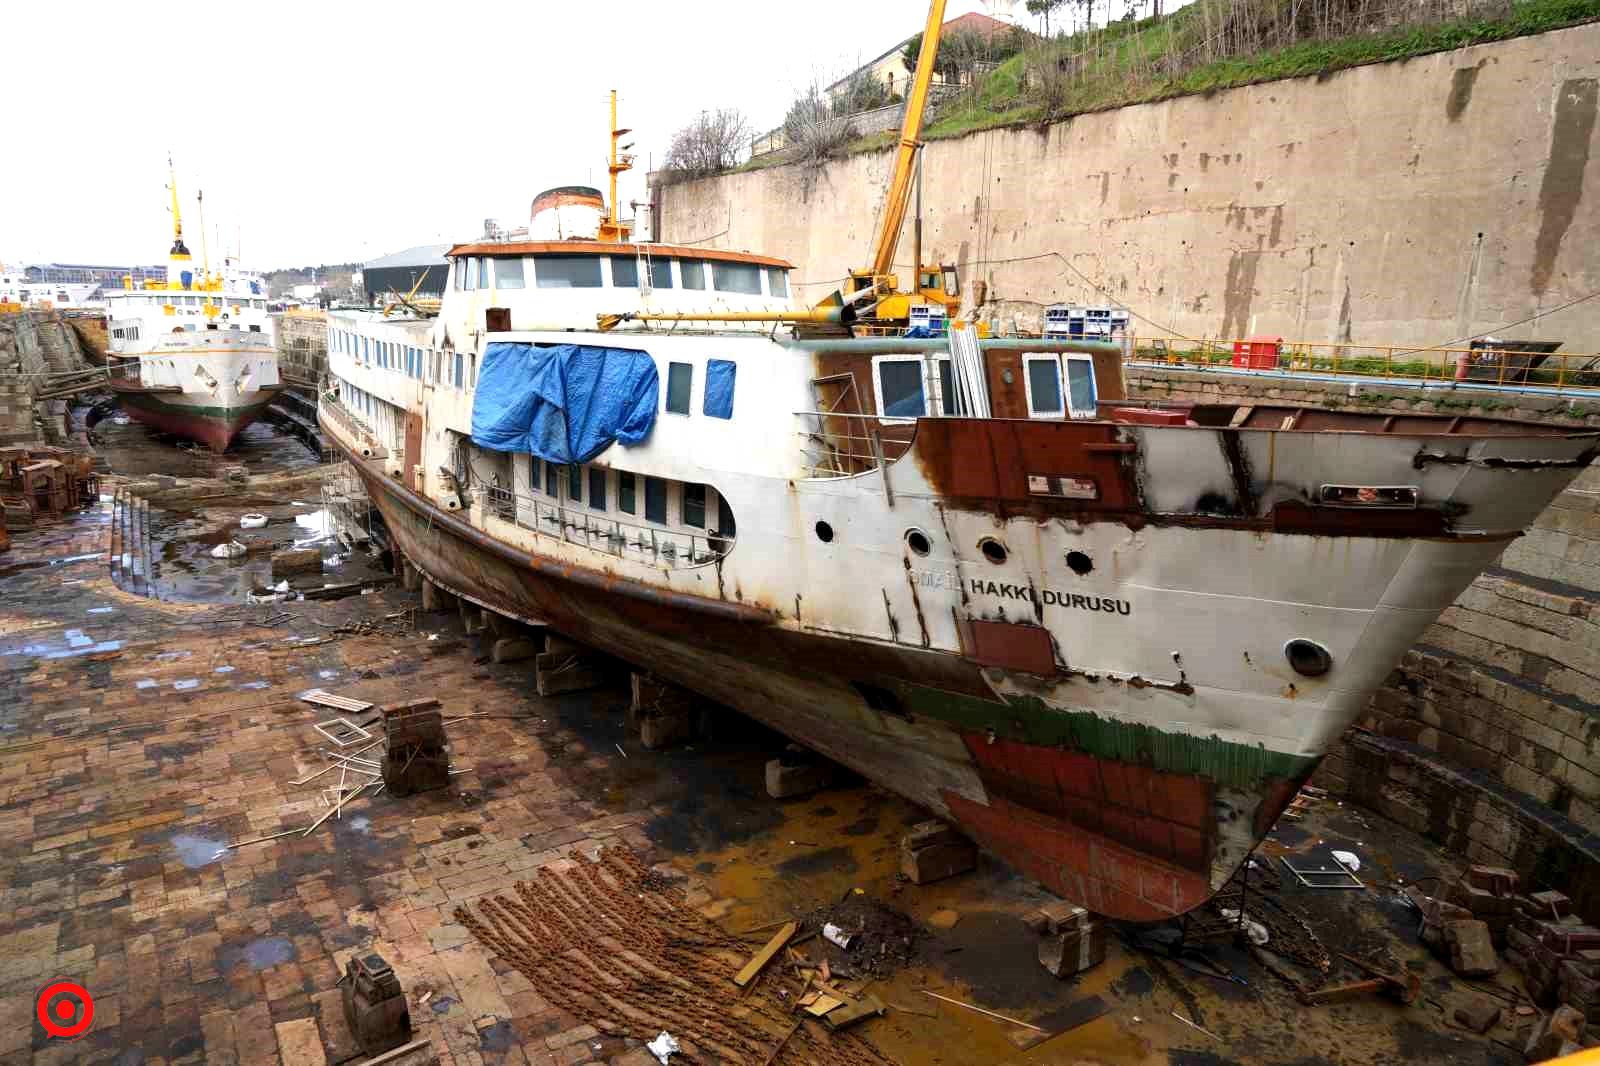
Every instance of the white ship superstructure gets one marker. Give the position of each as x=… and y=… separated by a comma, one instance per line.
x=195, y=356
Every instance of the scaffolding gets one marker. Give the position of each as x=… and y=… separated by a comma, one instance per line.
x=346, y=503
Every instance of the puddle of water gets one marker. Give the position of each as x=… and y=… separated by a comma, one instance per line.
x=327, y=674
x=186, y=684
x=197, y=851
x=268, y=952
x=359, y=823
x=101, y=610
x=223, y=670
x=146, y=682
x=254, y=684
x=168, y=655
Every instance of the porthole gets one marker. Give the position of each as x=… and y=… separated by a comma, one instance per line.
x=993, y=550
x=824, y=532
x=1308, y=657
x=917, y=541
x=1079, y=563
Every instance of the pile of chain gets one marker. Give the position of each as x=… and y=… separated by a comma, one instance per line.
x=614, y=944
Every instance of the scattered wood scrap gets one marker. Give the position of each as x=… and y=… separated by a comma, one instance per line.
x=759, y=960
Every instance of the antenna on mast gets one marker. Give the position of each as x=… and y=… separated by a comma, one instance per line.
x=205, y=254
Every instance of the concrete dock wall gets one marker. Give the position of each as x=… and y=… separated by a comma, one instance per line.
x=1412, y=202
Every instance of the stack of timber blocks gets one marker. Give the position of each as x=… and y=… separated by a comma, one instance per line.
x=1544, y=937
x=416, y=758
x=661, y=713
x=1472, y=920
x=567, y=666
x=1072, y=940
x=932, y=851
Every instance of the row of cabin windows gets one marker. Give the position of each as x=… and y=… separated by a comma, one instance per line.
x=590, y=272
x=154, y=300
x=1056, y=386
x=600, y=489
x=456, y=369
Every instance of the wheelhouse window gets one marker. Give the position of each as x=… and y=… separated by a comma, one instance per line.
x=720, y=375
x=508, y=273
x=680, y=379
x=899, y=386
x=736, y=277
x=1043, y=386
x=694, y=505
x=655, y=500
x=625, y=492
x=694, y=273
x=471, y=273
x=777, y=281
x=567, y=272
x=660, y=273
x=1082, y=399
x=624, y=272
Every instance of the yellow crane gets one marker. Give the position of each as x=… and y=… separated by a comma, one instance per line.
x=876, y=290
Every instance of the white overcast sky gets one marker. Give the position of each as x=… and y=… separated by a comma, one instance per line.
x=335, y=132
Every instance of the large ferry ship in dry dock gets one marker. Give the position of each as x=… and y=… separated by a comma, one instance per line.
x=195, y=357
x=1108, y=639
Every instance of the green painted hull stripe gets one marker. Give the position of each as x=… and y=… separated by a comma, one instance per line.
x=1029, y=720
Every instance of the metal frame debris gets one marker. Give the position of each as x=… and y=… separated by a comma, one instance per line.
x=1344, y=877
x=339, y=703
x=353, y=734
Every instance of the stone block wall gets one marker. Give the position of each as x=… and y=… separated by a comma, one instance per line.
x=1486, y=736
x=303, y=345
x=22, y=360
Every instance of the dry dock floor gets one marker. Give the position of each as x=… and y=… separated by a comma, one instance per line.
x=137, y=738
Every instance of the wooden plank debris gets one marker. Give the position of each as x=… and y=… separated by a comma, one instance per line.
x=342, y=731
x=759, y=960
x=338, y=703
x=990, y=1013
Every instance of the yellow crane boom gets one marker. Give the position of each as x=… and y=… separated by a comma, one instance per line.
x=894, y=208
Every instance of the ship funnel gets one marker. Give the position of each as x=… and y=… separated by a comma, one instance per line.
x=570, y=212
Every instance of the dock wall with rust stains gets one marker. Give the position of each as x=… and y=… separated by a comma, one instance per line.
x=1411, y=203
x=1489, y=729
x=33, y=344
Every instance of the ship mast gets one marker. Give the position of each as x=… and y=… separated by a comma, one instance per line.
x=613, y=228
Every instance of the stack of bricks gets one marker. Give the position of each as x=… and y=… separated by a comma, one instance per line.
x=1543, y=936
x=1073, y=941
x=1578, y=983
x=1489, y=894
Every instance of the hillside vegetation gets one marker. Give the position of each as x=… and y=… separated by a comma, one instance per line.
x=1219, y=44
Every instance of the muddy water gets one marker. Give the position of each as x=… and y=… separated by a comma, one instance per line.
x=185, y=570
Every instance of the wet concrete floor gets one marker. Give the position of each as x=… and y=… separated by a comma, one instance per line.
x=135, y=450
x=139, y=737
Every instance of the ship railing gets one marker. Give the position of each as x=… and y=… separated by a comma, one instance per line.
x=347, y=420
x=841, y=444
x=668, y=548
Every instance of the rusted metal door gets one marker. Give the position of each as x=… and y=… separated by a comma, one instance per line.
x=413, y=450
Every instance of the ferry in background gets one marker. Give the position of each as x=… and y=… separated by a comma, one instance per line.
x=1109, y=639
x=16, y=288
x=195, y=356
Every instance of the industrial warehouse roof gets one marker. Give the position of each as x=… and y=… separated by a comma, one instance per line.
x=421, y=255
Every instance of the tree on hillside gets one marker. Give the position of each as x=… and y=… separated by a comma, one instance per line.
x=1044, y=8
x=711, y=143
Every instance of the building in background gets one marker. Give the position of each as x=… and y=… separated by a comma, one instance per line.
x=422, y=268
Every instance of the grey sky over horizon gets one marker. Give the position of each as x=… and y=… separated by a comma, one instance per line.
x=333, y=133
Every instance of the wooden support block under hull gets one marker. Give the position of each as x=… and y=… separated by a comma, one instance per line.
x=559, y=672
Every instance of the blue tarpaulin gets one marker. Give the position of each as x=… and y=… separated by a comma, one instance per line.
x=720, y=375
x=564, y=403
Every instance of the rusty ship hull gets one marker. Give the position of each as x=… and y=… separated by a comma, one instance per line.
x=1099, y=785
